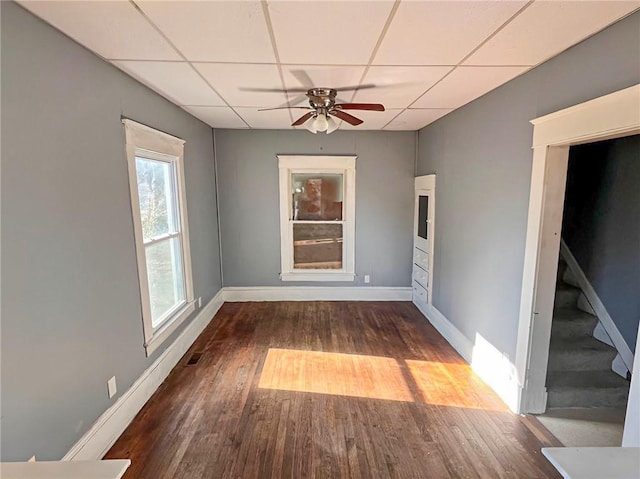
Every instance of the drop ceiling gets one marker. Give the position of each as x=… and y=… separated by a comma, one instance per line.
x=426, y=58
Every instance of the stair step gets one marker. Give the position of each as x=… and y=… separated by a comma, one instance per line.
x=566, y=295
x=572, y=323
x=586, y=389
x=579, y=354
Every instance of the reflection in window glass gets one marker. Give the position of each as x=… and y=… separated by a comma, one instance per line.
x=155, y=192
x=166, y=283
x=317, y=196
x=317, y=246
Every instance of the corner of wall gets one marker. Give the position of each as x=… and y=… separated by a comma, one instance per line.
x=215, y=182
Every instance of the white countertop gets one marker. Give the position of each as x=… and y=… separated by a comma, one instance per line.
x=107, y=469
x=595, y=462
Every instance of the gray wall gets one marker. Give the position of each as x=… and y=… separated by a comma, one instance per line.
x=70, y=297
x=602, y=225
x=482, y=156
x=249, y=211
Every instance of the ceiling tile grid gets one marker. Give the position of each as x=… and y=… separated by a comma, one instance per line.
x=224, y=61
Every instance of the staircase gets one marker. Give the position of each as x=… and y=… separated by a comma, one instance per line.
x=579, y=370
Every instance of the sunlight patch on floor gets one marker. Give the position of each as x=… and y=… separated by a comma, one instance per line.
x=334, y=373
x=377, y=377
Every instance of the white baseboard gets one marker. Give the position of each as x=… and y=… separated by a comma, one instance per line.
x=492, y=366
x=454, y=337
x=95, y=443
x=600, y=311
x=316, y=293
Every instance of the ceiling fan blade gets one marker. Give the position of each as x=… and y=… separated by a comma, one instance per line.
x=360, y=106
x=303, y=77
x=302, y=119
x=364, y=86
x=273, y=90
x=286, y=108
x=352, y=120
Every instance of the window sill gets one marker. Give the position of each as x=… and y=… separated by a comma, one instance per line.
x=168, y=327
x=318, y=276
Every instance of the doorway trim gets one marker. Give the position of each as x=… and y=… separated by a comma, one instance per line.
x=610, y=116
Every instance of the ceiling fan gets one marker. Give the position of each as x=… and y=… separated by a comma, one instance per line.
x=323, y=107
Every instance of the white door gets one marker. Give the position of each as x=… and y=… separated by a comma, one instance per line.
x=423, y=229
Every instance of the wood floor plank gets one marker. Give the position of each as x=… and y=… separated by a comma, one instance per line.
x=328, y=390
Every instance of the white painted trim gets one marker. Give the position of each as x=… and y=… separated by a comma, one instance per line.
x=317, y=162
x=601, y=334
x=631, y=433
x=600, y=310
x=492, y=366
x=316, y=293
x=168, y=327
x=425, y=182
x=345, y=165
x=618, y=366
x=317, y=276
x=151, y=139
x=453, y=335
x=556, y=161
x=610, y=116
x=426, y=186
x=147, y=142
x=95, y=443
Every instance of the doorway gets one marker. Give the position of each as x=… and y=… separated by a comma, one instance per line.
x=611, y=116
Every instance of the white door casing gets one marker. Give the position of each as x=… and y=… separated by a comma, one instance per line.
x=611, y=116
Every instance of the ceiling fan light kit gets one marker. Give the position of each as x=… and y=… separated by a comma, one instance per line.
x=323, y=107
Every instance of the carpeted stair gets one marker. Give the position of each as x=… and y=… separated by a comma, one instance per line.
x=579, y=370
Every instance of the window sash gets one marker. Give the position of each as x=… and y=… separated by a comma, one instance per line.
x=149, y=144
x=320, y=165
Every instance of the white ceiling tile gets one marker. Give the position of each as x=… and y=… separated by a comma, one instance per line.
x=398, y=87
x=441, y=32
x=235, y=81
x=373, y=120
x=114, y=30
x=547, y=28
x=465, y=84
x=415, y=119
x=214, y=31
x=328, y=32
x=276, y=119
x=174, y=80
x=217, y=116
x=308, y=76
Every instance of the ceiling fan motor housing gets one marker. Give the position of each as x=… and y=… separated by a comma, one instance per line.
x=322, y=98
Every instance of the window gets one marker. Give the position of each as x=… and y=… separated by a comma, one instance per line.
x=158, y=206
x=317, y=217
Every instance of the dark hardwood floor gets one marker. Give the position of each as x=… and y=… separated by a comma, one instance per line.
x=328, y=390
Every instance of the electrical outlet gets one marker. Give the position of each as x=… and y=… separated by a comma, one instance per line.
x=111, y=386
x=367, y=278
x=199, y=302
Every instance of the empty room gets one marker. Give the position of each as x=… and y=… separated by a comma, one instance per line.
x=330, y=239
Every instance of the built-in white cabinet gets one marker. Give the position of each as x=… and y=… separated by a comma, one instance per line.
x=423, y=234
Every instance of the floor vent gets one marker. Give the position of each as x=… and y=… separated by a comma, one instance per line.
x=195, y=357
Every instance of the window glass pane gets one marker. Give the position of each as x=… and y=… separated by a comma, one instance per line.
x=156, y=195
x=423, y=218
x=317, y=246
x=317, y=196
x=166, y=281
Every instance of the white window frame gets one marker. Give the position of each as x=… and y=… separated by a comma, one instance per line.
x=345, y=165
x=146, y=142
